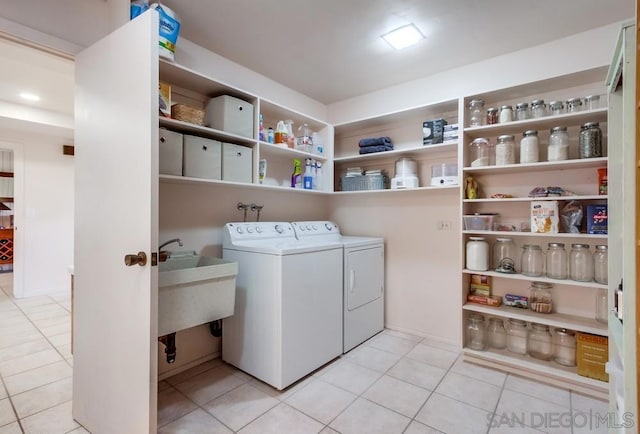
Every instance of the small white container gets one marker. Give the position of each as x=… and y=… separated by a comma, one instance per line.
x=230, y=114
x=444, y=174
x=477, y=254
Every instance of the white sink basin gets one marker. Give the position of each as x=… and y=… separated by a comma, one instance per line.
x=194, y=290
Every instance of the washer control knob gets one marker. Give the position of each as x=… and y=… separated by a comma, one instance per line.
x=308, y=227
x=259, y=229
x=279, y=229
x=315, y=228
x=328, y=226
x=239, y=229
x=249, y=230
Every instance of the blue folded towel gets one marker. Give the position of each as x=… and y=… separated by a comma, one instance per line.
x=378, y=148
x=375, y=141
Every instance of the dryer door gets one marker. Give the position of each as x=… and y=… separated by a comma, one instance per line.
x=364, y=275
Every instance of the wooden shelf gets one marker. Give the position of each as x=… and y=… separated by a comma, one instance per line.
x=171, y=179
x=416, y=150
x=534, y=235
x=544, y=166
x=530, y=199
x=518, y=276
x=187, y=128
x=572, y=322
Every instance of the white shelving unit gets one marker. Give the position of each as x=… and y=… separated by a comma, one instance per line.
x=518, y=276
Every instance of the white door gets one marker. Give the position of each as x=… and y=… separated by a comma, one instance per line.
x=116, y=213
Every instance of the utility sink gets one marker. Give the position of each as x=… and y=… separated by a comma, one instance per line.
x=194, y=290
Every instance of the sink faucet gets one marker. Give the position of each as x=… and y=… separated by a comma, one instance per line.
x=175, y=240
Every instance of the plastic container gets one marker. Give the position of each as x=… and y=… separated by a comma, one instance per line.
x=304, y=140
x=478, y=222
x=168, y=32
x=444, y=174
x=477, y=254
x=406, y=167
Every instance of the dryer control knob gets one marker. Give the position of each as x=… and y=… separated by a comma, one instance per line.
x=328, y=226
x=278, y=229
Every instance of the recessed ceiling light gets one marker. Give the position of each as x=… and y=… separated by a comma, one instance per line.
x=29, y=96
x=403, y=37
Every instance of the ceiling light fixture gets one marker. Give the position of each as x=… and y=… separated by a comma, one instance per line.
x=403, y=37
x=29, y=96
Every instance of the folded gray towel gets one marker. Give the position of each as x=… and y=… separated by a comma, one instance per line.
x=375, y=141
x=378, y=148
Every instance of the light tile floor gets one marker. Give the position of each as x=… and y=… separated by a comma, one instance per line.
x=393, y=383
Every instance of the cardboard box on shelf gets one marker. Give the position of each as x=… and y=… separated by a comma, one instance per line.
x=480, y=285
x=164, y=102
x=592, y=354
x=597, y=217
x=516, y=301
x=483, y=299
x=544, y=216
x=433, y=131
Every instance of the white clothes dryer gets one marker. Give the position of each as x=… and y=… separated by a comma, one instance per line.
x=288, y=311
x=363, y=281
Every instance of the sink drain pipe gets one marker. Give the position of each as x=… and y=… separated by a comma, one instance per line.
x=169, y=342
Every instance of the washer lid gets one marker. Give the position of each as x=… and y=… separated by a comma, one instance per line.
x=280, y=248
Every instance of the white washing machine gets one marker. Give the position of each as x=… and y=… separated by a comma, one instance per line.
x=288, y=312
x=363, y=283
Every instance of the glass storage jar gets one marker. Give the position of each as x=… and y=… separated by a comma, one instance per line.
x=529, y=147
x=505, y=150
x=522, y=111
x=479, y=152
x=532, y=260
x=574, y=105
x=564, y=347
x=541, y=299
x=556, y=261
x=504, y=255
x=580, y=263
x=590, y=140
x=602, y=306
x=540, y=342
x=556, y=107
x=492, y=116
x=600, y=265
x=477, y=254
x=496, y=334
x=538, y=108
x=558, y=144
x=517, y=336
x=475, y=332
x=476, y=112
x=591, y=102
x=506, y=114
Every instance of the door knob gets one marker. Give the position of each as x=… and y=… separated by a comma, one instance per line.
x=140, y=259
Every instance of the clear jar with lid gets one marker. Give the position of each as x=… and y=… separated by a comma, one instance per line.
x=477, y=254
x=492, y=116
x=556, y=107
x=517, y=336
x=504, y=255
x=505, y=150
x=506, y=114
x=476, y=112
x=600, y=265
x=475, y=334
x=574, y=105
x=496, y=334
x=556, y=261
x=590, y=140
x=591, y=102
x=564, y=347
x=602, y=305
x=558, y=144
x=540, y=342
x=529, y=147
x=479, y=152
x=532, y=260
x=522, y=111
x=541, y=299
x=538, y=108
x=580, y=263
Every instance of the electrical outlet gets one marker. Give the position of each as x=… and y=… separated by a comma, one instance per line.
x=444, y=226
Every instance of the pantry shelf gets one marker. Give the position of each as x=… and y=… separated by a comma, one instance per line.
x=415, y=150
x=536, y=235
x=210, y=133
x=572, y=322
x=544, y=166
x=540, y=370
x=543, y=123
x=537, y=279
x=270, y=149
x=171, y=179
x=529, y=199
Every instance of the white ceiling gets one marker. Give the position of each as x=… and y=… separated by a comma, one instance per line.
x=329, y=50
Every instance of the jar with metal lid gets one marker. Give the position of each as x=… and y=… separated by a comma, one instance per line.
x=517, y=336
x=529, y=147
x=477, y=254
x=591, y=102
x=476, y=112
x=602, y=305
x=580, y=263
x=492, y=116
x=541, y=299
x=574, y=105
x=506, y=114
x=479, y=152
x=556, y=107
x=504, y=255
x=538, y=108
x=505, y=150
x=558, y=144
x=496, y=334
x=532, y=260
x=540, y=342
x=590, y=140
x=522, y=111
x=600, y=265
x=564, y=347
x=556, y=261
x=475, y=334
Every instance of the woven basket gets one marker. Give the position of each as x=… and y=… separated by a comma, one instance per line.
x=188, y=114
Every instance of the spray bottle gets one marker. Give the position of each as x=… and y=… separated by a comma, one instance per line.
x=307, y=179
x=296, y=177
